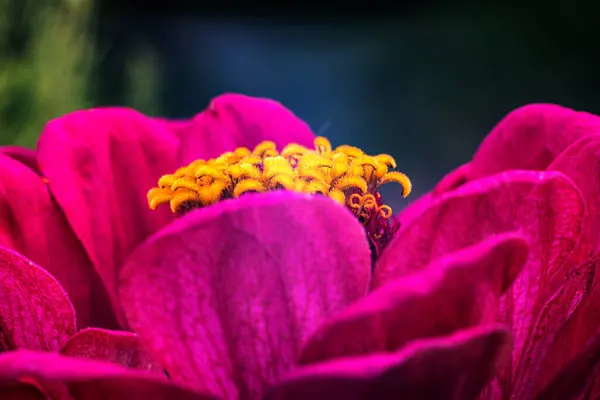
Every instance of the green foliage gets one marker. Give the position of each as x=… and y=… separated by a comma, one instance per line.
x=46, y=59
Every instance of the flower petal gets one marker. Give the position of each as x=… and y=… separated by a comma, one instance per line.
x=578, y=377
x=455, y=367
x=546, y=207
x=580, y=163
x=225, y=295
x=570, y=317
x=123, y=348
x=100, y=164
x=34, y=226
x=530, y=138
x=453, y=179
x=235, y=120
x=454, y=292
x=414, y=209
x=177, y=126
x=24, y=155
x=84, y=379
x=23, y=391
x=35, y=312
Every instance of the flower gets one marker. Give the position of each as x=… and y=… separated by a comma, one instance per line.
x=273, y=295
x=556, y=329
x=79, y=200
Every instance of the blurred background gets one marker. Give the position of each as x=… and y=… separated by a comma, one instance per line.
x=424, y=82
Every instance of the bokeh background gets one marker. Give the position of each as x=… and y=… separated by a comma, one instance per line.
x=423, y=81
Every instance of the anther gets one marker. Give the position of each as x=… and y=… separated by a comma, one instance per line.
x=345, y=174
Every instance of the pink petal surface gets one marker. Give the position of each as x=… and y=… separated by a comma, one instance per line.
x=525, y=201
x=23, y=155
x=455, y=367
x=578, y=379
x=546, y=207
x=452, y=293
x=453, y=180
x=234, y=120
x=531, y=137
x=580, y=163
x=100, y=164
x=123, y=348
x=449, y=182
x=66, y=378
x=35, y=312
x=415, y=208
x=177, y=126
x=22, y=392
x=577, y=297
x=225, y=295
x=33, y=225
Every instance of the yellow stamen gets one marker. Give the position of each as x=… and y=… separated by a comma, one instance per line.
x=346, y=175
x=322, y=145
x=248, y=185
x=397, y=177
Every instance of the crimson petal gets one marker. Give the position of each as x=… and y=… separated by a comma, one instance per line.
x=454, y=292
x=453, y=179
x=123, y=348
x=544, y=206
x=449, y=182
x=63, y=377
x=571, y=315
x=24, y=155
x=577, y=378
x=34, y=226
x=35, y=312
x=455, y=367
x=580, y=163
x=530, y=138
x=234, y=120
x=100, y=164
x=177, y=126
x=225, y=295
x=415, y=208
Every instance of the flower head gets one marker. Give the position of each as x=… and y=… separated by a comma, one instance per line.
x=259, y=296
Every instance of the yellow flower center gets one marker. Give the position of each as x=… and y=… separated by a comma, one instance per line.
x=345, y=174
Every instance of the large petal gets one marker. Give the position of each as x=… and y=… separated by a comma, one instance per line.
x=453, y=179
x=415, y=208
x=63, y=378
x=576, y=379
x=225, y=295
x=530, y=138
x=580, y=162
x=177, y=126
x=24, y=155
x=123, y=348
x=455, y=367
x=234, y=120
x=32, y=224
x=578, y=317
x=454, y=292
x=35, y=312
x=449, y=182
x=546, y=207
x=100, y=164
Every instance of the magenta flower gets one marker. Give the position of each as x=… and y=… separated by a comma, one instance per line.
x=275, y=295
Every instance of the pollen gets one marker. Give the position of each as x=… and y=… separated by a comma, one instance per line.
x=345, y=174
